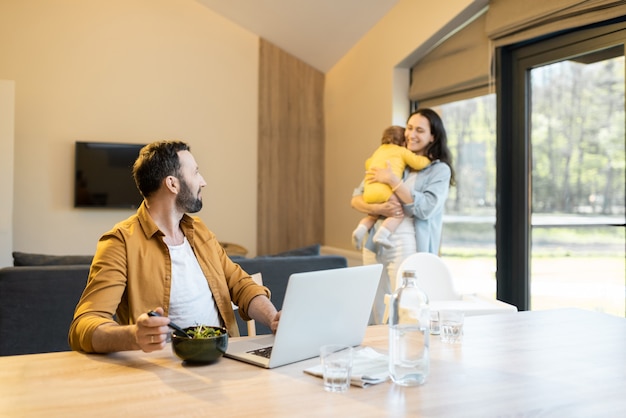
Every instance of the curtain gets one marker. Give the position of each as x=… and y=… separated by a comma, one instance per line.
x=510, y=21
x=460, y=67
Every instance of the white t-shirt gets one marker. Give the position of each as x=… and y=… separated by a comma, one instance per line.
x=403, y=240
x=191, y=300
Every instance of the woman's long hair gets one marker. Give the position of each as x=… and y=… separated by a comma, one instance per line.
x=438, y=149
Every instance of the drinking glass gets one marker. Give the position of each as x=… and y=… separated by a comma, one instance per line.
x=337, y=366
x=451, y=326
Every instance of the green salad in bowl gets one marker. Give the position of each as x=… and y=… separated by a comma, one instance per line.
x=206, y=345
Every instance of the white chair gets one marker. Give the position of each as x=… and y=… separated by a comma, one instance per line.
x=433, y=276
x=435, y=279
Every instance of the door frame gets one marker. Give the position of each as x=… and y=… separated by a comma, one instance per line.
x=513, y=153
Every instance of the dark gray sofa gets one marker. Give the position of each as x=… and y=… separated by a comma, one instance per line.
x=276, y=271
x=37, y=302
x=36, y=307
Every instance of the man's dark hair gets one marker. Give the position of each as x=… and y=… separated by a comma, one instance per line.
x=156, y=161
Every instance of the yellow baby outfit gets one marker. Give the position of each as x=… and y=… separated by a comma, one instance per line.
x=399, y=157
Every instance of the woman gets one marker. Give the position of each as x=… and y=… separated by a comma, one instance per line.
x=422, y=198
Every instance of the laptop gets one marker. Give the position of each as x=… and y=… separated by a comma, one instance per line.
x=320, y=307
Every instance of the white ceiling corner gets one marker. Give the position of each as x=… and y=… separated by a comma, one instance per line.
x=318, y=32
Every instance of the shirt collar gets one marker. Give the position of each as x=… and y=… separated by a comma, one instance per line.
x=151, y=229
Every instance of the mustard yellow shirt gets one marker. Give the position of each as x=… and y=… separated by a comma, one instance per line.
x=131, y=274
x=399, y=157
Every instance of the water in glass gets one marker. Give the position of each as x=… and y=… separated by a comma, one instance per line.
x=409, y=332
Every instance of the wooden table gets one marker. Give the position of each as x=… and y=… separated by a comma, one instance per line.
x=561, y=363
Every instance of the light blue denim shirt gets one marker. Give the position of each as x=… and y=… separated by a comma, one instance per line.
x=429, y=197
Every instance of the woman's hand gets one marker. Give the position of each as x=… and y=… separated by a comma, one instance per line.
x=390, y=209
x=387, y=209
x=381, y=175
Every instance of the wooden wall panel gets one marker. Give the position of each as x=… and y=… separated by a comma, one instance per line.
x=291, y=152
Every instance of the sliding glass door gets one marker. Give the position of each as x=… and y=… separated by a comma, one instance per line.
x=577, y=183
x=560, y=234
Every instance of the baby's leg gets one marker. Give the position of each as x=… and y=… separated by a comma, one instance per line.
x=387, y=228
x=368, y=221
x=359, y=233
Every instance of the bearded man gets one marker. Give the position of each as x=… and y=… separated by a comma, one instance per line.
x=163, y=259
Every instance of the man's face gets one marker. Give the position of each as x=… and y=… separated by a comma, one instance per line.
x=186, y=200
x=191, y=182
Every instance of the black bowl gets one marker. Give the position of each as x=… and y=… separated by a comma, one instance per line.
x=200, y=350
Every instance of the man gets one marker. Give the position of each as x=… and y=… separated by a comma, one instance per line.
x=164, y=260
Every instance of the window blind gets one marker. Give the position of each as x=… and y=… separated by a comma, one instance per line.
x=510, y=21
x=457, y=69
x=461, y=66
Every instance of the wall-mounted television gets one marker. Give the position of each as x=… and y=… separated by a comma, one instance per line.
x=103, y=175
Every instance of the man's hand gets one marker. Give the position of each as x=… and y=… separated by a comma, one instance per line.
x=263, y=311
x=148, y=334
x=274, y=323
x=151, y=331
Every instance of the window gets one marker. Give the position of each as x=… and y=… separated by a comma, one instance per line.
x=468, y=243
x=560, y=224
x=538, y=214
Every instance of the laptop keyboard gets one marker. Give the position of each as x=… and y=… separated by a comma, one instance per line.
x=263, y=352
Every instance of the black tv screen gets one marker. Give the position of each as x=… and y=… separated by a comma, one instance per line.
x=104, y=177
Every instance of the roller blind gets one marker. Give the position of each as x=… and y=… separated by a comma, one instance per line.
x=511, y=21
x=461, y=66
x=457, y=69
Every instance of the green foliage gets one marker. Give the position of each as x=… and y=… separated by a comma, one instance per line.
x=203, y=331
x=577, y=135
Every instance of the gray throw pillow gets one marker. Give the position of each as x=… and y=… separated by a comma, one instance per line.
x=27, y=259
x=308, y=250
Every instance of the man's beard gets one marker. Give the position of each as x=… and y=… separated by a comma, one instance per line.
x=186, y=200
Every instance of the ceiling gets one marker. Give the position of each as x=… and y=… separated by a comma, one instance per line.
x=318, y=32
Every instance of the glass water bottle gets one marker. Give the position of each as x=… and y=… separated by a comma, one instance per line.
x=409, y=323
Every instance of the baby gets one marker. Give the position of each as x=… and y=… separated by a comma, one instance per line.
x=392, y=150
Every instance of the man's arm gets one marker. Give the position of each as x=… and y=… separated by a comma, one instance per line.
x=148, y=334
x=264, y=311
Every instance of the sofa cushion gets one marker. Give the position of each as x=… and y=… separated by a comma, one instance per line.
x=36, y=307
x=27, y=259
x=308, y=250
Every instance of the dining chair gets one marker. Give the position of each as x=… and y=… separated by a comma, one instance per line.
x=433, y=276
x=435, y=279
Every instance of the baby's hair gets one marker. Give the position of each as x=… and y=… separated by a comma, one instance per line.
x=393, y=135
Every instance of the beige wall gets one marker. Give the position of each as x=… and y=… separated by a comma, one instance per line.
x=365, y=92
x=140, y=70
x=126, y=71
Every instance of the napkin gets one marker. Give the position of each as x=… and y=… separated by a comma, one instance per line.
x=369, y=367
